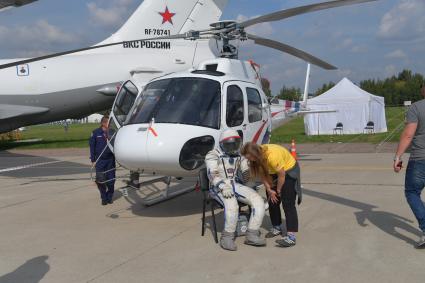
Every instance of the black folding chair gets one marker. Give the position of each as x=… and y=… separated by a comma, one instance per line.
x=339, y=128
x=204, y=184
x=370, y=128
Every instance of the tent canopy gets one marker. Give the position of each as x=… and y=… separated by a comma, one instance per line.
x=354, y=107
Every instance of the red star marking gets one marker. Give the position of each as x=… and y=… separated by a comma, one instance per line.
x=167, y=16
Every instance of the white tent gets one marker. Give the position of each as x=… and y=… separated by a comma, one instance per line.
x=354, y=109
x=94, y=118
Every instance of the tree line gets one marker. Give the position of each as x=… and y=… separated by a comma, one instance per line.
x=406, y=86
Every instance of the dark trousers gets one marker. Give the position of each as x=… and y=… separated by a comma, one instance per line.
x=288, y=199
x=105, y=178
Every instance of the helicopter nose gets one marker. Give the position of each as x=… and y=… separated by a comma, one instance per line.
x=166, y=149
x=130, y=147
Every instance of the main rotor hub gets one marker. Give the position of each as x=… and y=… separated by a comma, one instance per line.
x=224, y=25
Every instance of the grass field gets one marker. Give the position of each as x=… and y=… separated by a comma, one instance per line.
x=78, y=135
x=295, y=130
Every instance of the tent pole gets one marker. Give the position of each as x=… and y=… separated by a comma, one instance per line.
x=318, y=124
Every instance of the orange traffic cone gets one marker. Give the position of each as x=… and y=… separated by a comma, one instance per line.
x=294, y=150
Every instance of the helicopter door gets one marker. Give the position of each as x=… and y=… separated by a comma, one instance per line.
x=121, y=108
x=124, y=102
x=256, y=117
x=235, y=109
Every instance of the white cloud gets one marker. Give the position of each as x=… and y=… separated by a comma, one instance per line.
x=36, y=39
x=358, y=49
x=37, y=36
x=108, y=13
x=405, y=21
x=345, y=44
x=390, y=70
x=396, y=54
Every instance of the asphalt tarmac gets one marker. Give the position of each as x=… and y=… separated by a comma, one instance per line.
x=355, y=226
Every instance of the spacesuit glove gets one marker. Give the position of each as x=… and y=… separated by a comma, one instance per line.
x=227, y=190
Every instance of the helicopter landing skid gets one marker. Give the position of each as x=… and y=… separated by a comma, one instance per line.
x=153, y=194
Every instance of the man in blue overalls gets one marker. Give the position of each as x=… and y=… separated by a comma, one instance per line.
x=104, y=160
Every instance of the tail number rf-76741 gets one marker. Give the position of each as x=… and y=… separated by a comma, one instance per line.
x=158, y=32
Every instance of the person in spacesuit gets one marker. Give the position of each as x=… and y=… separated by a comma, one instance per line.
x=226, y=171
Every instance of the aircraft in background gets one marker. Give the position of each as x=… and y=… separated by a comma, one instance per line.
x=6, y=4
x=76, y=85
x=284, y=110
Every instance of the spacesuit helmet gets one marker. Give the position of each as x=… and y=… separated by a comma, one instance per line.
x=230, y=142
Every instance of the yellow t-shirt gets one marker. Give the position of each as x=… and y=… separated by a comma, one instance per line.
x=278, y=158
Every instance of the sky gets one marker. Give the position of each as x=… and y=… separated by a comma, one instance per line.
x=371, y=40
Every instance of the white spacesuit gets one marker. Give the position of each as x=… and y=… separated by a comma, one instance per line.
x=226, y=168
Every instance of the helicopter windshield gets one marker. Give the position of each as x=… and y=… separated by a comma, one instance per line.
x=189, y=101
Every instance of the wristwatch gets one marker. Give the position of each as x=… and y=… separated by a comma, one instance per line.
x=397, y=158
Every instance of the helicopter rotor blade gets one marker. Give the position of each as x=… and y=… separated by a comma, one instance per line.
x=35, y=59
x=284, y=14
x=291, y=50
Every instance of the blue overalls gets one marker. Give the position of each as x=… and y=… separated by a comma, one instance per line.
x=105, y=165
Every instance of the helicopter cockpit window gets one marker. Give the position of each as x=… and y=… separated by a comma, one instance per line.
x=189, y=101
x=254, y=105
x=235, y=106
x=124, y=101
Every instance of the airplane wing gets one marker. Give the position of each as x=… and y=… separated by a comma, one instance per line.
x=304, y=112
x=281, y=108
x=12, y=111
x=14, y=3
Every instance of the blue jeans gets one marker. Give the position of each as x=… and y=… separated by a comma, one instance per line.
x=414, y=184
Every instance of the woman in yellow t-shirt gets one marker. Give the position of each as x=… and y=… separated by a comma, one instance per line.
x=280, y=174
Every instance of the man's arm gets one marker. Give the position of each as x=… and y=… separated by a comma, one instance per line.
x=92, y=143
x=405, y=141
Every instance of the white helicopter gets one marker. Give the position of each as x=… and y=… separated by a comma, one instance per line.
x=168, y=126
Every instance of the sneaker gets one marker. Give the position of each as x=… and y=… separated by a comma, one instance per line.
x=273, y=233
x=421, y=243
x=104, y=202
x=287, y=242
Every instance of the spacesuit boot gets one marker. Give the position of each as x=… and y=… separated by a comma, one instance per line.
x=227, y=241
x=253, y=238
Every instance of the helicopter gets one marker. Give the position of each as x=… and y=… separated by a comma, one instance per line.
x=168, y=125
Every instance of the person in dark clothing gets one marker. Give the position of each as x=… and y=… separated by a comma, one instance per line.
x=288, y=198
x=104, y=160
x=280, y=174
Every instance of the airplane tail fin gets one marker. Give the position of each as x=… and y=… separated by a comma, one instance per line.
x=160, y=18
